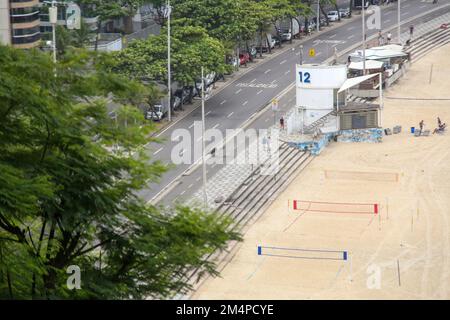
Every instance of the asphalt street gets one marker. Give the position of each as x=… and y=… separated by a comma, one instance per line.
x=236, y=103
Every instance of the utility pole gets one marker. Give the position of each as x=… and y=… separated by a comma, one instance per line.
x=318, y=15
x=364, y=35
x=205, y=197
x=301, y=54
x=53, y=17
x=398, y=24
x=169, y=71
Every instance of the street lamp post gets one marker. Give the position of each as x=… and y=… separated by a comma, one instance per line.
x=169, y=71
x=398, y=24
x=301, y=54
x=318, y=15
x=205, y=197
x=364, y=35
x=53, y=18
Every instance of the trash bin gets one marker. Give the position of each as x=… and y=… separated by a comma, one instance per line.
x=413, y=129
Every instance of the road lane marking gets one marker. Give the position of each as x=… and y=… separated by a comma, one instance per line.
x=190, y=127
x=352, y=36
x=267, y=120
x=387, y=20
x=318, y=54
x=198, y=179
x=230, y=115
x=283, y=62
x=182, y=192
x=207, y=113
x=253, y=80
x=223, y=102
x=259, y=91
x=200, y=138
x=287, y=72
x=266, y=72
x=245, y=103
x=332, y=36
x=238, y=91
x=215, y=127
x=190, y=186
x=158, y=151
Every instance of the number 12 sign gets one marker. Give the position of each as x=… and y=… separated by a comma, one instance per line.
x=305, y=77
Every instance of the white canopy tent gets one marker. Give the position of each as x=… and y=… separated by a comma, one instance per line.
x=376, y=54
x=357, y=80
x=370, y=64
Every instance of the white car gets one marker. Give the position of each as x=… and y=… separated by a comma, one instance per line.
x=333, y=15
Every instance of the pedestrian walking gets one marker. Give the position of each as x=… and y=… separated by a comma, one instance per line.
x=213, y=152
x=282, y=123
x=421, y=125
x=264, y=142
x=389, y=37
x=411, y=31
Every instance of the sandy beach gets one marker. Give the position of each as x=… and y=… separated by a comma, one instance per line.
x=400, y=252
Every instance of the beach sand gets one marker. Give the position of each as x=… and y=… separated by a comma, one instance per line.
x=403, y=252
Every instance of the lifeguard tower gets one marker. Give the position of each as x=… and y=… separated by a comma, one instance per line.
x=322, y=112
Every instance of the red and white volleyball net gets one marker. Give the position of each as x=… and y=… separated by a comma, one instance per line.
x=335, y=207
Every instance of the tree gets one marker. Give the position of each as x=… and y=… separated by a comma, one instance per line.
x=66, y=38
x=66, y=200
x=191, y=48
x=106, y=10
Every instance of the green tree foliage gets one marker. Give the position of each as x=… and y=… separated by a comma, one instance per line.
x=66, y=200
x=192, y=48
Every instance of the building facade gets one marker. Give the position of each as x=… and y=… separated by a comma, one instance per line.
x=20, y=23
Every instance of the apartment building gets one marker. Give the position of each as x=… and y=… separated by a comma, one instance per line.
x=20, y=23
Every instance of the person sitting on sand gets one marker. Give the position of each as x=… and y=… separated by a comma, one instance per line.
x=439, y=121
x=441, y=128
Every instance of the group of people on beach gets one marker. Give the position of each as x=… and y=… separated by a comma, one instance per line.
x=440, y=129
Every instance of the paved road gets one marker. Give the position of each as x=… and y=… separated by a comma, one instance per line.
x=232, y=106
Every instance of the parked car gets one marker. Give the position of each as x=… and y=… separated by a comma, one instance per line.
x=253, y=53
x=184, y=94
x=311, y=27
x=333, y=15
x=277, y=40
x=244, y=58
x=286, y=34
x=233, y=61
x=176, y=104
x=344, y=12
x=156, y=113
x=209, y=80
x=272, y=44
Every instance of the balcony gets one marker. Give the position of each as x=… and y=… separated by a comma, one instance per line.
x=16, y=4
x=26, y=41
x=25, y=17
